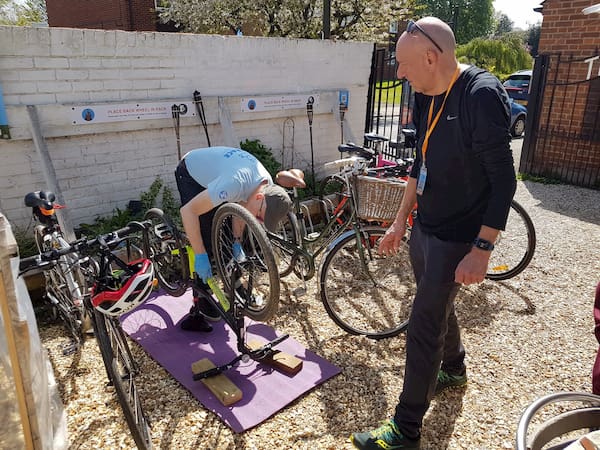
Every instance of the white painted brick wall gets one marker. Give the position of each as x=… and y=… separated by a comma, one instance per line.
x=100, y=167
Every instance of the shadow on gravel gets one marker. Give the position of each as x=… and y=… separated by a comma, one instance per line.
x=572, y=201
x=440, y=421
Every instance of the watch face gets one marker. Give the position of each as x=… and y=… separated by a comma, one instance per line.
x=483, y=244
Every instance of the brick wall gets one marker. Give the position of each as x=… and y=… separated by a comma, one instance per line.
x=569, y=37
x=128, y=15
x=101, y=166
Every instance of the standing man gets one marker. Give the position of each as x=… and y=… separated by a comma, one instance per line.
x=207, y=177
x=463, y=180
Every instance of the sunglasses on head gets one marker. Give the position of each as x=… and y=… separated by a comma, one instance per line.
x=412, y=27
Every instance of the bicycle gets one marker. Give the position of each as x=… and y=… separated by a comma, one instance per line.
x=65, y=285
x=250, y=280
x=514, y=247
x=363, y=293
x=118, y=286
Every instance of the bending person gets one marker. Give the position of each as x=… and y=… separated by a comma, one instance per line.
x=206, y=178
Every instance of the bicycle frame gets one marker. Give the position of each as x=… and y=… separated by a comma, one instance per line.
x=310, y=247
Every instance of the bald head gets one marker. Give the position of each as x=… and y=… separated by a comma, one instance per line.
x=440, y=32
x=425, y=53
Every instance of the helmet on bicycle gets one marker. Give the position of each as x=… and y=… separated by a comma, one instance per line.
x=124, y=291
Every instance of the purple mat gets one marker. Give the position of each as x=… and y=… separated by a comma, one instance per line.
x=155, y=326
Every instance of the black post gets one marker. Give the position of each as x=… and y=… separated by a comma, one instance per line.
x=309, y=113
x=326, y=19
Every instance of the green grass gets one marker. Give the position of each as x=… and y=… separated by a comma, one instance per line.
x=391, y=92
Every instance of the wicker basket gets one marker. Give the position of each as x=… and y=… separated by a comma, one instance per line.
x=378, y=199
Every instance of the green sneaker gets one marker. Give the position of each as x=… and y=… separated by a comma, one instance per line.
x=446, y=380
x=386, y=437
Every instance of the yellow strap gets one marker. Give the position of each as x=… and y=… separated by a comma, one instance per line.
x=431, y=125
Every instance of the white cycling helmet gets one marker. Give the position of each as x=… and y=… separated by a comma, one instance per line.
x=123, y=291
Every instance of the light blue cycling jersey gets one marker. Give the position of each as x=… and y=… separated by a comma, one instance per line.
x=229, y=174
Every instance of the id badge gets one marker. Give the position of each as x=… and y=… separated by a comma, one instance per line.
x=421, y=180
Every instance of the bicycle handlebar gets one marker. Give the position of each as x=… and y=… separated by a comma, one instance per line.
x=45, y=260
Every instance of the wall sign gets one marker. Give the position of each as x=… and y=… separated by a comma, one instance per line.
x=81, y=115
x=277, y=102
x=4, y=131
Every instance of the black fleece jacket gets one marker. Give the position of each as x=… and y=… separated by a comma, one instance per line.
x=470, y=172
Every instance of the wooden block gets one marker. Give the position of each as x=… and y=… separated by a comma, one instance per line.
x=280, y=360
x=221, y=386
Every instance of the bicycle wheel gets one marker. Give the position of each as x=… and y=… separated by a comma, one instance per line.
x=122, y=369
x=257, y=280
x=288, y=231
x=166, y=250
x=373, y=299
x=514, y=246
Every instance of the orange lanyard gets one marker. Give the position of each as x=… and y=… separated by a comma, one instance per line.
x=437, y=116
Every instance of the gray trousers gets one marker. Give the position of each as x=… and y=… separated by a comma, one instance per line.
x=433, y=336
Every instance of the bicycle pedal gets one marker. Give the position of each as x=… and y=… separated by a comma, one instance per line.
x=221, y=386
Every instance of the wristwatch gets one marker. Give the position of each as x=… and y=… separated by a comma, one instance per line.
x=483, y=244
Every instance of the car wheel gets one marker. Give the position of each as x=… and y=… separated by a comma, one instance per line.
x=518, y=127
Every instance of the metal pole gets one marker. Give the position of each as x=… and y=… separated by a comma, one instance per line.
x=326, y=19
x=49, y=172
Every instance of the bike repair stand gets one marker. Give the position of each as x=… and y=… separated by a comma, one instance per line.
x=221, y=386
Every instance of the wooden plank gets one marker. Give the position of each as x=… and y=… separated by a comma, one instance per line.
x=10, y=315
x=285, y=362
x=221, y=386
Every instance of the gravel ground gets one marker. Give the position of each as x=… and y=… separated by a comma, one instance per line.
x=525, y=337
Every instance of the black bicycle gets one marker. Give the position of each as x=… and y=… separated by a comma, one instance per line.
x=65, y=283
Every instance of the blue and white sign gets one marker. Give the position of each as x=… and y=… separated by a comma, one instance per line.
x=81, y=115
x=277, y=102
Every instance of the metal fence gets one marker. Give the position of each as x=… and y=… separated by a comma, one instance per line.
x=562, y=136
x=389, y=105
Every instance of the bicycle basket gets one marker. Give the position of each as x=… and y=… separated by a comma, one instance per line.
x=378, y=199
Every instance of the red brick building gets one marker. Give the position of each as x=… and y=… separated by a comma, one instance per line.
x=563, y=135
x=129, y=15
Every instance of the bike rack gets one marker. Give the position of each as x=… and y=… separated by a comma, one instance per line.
x=307, y=215
x=236, y=323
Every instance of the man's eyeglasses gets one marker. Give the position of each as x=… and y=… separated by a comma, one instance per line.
x=412, y=27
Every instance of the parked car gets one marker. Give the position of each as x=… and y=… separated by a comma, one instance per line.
x=517, y=86
x=518, y=118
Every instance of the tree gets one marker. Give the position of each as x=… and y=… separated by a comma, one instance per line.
x=350, y=19
x=503, y=24
x=27, y=13
x=468, y=18
x=500, y=56
x=533, y=38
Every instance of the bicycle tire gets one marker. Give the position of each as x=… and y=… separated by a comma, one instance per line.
x=514, y=247
x=257, y=281
x=164, y=247
x=376, y=304
x=122, y=369
x=289, y=231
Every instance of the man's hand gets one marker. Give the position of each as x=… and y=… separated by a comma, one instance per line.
x=473, y=267
x=392, y=239
x=202, y=266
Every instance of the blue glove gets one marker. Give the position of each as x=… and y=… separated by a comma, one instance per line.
x=238, y=252
x=202, y=266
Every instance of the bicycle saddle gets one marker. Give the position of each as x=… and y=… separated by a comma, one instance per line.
x=290, y=178
x=374, y=137
x=42, y=199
